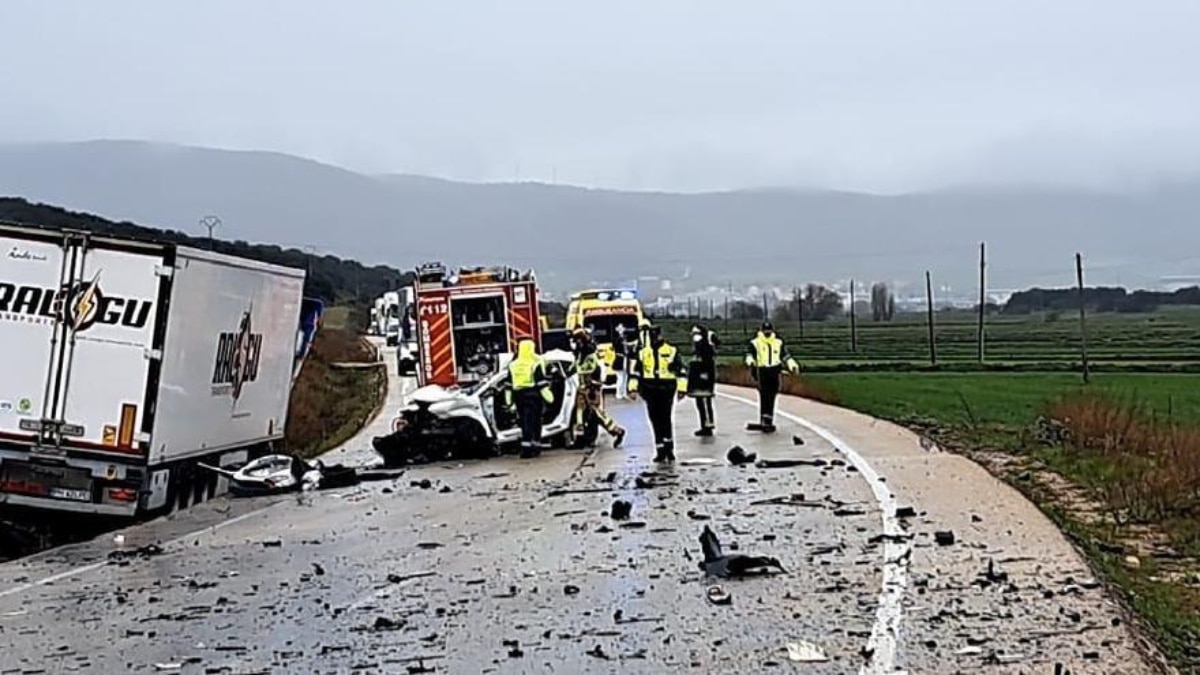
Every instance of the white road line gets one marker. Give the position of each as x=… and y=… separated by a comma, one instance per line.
x=76, y=571
x=888, y=615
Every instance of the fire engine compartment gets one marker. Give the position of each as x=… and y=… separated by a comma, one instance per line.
x=480, y=334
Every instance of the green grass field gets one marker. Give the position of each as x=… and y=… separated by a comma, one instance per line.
x=1006, y=399
x=1162, y=340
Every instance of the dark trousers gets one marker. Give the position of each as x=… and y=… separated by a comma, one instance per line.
x=660, y=406
x=704, y=406
x=768, y=389
x=529, y=412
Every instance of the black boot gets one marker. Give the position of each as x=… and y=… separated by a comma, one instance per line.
x=703, y=432
x=668, y=451
x=660, y=454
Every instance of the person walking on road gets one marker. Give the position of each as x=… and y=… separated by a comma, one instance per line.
x=530, y=387
x=766, y=356
x=621, y=361
x=589, y=401
x=660, y=376
x=702, y=377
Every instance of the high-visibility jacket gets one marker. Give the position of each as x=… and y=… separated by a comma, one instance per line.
x=661, y=367
x=769, y=352
x=588, y=365
x=527, y=371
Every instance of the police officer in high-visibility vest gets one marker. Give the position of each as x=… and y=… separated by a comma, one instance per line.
x=766, y=356
x=660, y=377
x=530, y=387
x=589, y=401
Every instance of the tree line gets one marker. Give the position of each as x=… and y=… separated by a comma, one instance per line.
x=330, y=278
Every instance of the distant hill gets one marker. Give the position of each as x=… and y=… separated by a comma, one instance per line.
x=574, y=236
x=330, y=278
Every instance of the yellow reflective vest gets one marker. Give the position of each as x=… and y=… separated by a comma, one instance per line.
x=769, y=352
x=662, y=367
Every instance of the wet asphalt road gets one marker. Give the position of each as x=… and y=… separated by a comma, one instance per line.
x=513, y=566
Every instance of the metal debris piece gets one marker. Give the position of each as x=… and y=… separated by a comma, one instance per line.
x=401, y=578
x=168, y=666
x=698, y=516
x=806, y=652
x=570, y=590
x=697, y=461
x=796, y=440
x=620, y=510
x=598, y=653
x=424, y=484
x=944, y=538
x=906, y=512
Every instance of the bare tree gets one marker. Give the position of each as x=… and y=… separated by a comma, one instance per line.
x=821, y=303
x=883, y=304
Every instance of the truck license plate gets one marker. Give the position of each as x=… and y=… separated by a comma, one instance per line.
x=74, y=495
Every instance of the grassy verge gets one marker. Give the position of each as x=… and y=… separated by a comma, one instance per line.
x=329, y=405
x=1115, y=464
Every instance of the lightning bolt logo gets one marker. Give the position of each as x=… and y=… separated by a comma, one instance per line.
x=85, y=304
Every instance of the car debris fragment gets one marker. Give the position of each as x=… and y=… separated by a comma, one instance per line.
x=620, y=510
x=805, y=652
x=718, y=596
x=147, y=551
x=789, y=463
x=717, y=564
x=738, y=456
x=797, y=440
x=944, y=538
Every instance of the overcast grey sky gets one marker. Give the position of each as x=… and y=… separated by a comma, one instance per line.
x=646, y=94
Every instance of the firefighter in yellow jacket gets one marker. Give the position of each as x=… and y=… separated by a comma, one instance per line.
x=530, y=387
x=767, y=356
x=589, y=401
x=660, y=377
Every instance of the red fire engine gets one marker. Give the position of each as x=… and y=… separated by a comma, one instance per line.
x=467, y=319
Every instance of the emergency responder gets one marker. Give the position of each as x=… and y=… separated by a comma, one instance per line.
x=530, y=387
x=589, y=398
x=659, y=376
x=766, y=355
x=621, y=361
x=702, y=377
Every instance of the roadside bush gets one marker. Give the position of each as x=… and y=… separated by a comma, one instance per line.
x=329, y=405
x=1145, y=467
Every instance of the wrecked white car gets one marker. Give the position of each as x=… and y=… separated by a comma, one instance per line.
x=275, y=474
x=474, y=422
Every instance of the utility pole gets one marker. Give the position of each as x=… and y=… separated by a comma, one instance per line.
x=1083, y=346
x=853, y=323
x=982, y=293
x=799, y=310
x=210, y=223
x=929, y=309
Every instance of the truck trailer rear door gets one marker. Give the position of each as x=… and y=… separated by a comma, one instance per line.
x=92, y=343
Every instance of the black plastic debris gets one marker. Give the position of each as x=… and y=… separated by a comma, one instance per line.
x=273, y=543
x=610, y=478
x=423, y=484
x=570, y=590
x=401, y=578
x=318, y=569
x=514, y=649
x=738, y=456
x=698, y=516
x=445, y=489
x=789, y=463
x=428, y=545
x=147, y=551
x=620, y=510
x=717, y=564
x=597, y=652
x=383, y=624
x=944, y=538
x=796, y=440
x=906, y=512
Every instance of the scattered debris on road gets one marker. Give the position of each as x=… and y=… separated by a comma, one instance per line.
x=620, y=510
x=944, y=538
x=717, y=564
x=796, y=440
x=718, y=596
x=906, y=512
x=147, y=551
x=401, y=578
x=806, y=652
x=738, y=456
x=424, y=484
x=789, y=463
x=570, y=590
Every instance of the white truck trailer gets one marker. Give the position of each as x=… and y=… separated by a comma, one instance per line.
x=125, y=364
